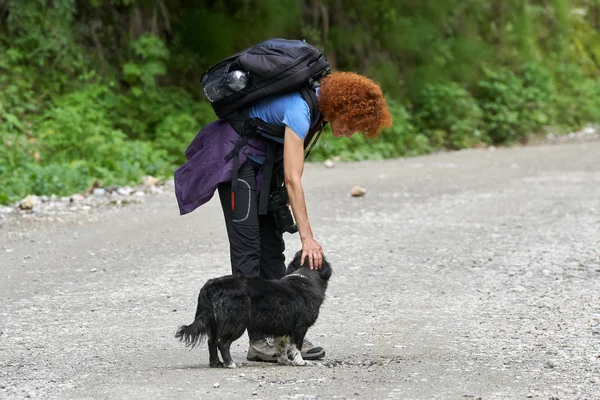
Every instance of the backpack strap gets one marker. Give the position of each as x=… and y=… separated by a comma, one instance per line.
x=249, y=128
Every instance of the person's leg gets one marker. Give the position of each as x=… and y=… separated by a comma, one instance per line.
x=272, y=266
x=242, y=222
x=272, y=247
x=244, y=242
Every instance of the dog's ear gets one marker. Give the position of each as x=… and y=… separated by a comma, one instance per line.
x=325, y=271
x=295, y=263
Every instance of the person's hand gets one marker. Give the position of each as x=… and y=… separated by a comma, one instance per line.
x=313, y=250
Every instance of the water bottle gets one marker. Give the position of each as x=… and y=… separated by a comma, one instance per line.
x=233, y=81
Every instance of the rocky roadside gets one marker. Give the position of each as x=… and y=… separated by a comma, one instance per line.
x=97, y=197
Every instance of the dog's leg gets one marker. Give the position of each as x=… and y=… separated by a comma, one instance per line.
x=281, y=347
x=213, y=355
x=296, y=356
x=224, y=349
x=295, y=349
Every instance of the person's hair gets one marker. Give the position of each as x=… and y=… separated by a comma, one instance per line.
x=355, y=101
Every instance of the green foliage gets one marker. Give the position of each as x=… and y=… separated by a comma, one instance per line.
x=450, y=116
x=400, y=140
x=110, y=90
x=501, y=98
x=151, y=55
x=539, y=95
x=578, y=102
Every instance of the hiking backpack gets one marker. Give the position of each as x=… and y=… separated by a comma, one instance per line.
x=275, y=66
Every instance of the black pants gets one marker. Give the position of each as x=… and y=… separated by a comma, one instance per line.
x=255, y=247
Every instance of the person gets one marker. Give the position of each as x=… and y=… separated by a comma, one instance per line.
x=349, y=102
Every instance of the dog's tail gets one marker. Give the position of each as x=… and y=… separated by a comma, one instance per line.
x=193, y=334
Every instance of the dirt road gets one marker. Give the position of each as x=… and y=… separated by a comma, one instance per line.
x=473, y=274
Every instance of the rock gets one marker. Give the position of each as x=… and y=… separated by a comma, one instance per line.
x=90, y=190
x=112, y=189
x=76, y=198
x=329, y=163
x=149, y=181
x=357, y=191
x=216, y=385
x=28, y=202
x=549, y=364
x=125, y=191
x=99, y=192
x=589, y=131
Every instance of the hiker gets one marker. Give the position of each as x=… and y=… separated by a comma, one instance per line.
x=252, y=172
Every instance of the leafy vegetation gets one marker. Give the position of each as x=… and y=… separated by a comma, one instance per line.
x=109, y=90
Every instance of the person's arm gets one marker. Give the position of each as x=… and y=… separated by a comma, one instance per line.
x=293, y=166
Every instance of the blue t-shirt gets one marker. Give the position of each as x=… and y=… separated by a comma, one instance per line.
x=288, y=109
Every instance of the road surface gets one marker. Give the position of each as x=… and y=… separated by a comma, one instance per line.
x=463, y=275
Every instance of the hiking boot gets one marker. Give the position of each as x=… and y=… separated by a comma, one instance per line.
x=262, y=350
x=312, y=352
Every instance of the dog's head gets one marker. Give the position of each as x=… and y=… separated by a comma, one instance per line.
x=324, y=272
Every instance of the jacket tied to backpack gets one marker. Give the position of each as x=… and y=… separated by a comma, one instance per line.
x=197, y=180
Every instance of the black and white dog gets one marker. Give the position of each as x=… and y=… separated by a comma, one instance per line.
x=283, y=309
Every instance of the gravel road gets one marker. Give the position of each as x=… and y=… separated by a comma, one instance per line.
x=463, y=275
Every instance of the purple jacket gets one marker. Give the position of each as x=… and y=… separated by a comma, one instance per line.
x=197, y=180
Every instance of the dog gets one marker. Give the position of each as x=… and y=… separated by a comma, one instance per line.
x=284, y=309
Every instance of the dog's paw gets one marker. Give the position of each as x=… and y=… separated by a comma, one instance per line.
x=284, y=361
x=232, y=365
x=301, y=363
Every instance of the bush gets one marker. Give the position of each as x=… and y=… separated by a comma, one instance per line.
x=449, y=116
x=501, y=98
x=578, y=100
x=400, y=140
x=539, y=97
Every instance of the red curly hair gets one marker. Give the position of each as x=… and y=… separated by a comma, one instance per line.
x=354, y=101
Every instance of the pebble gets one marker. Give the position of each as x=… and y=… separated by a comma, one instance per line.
x=216, y=385
x=328, y=163
x=358, y=191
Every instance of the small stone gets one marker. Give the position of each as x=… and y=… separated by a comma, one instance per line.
x=149, y=181
x=357, y=191
x=124, y=191
x=216, y=385
x=99, y=192
x=93, y=270
x=329, y=163
x=255, y=393
x=76, y=198
x=27, y=203
x=549, y=364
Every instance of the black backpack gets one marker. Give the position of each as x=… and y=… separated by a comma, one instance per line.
x=275, y=66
